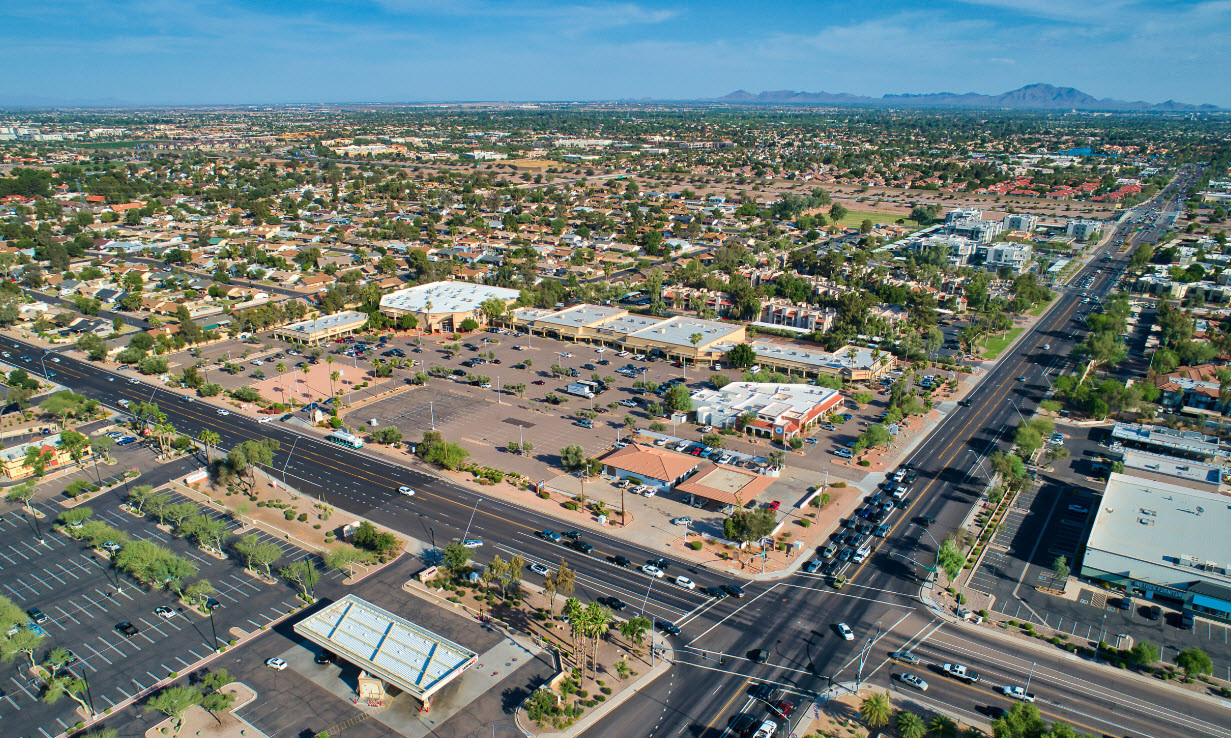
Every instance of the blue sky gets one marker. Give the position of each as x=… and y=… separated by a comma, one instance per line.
x=240, y=51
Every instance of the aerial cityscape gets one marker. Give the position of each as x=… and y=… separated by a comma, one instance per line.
x=543, y=369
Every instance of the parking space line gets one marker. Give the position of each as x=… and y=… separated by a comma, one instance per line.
x=99, y=654
x=66, y=571
x=53, y=575
x=45, y=733
x=15, y=593
x=65, y=614
x=185, y=663
x=6, y=558
x=152, y=627
x=22, y=687
x=112, y=646
x=19, y=553
x=194, y=653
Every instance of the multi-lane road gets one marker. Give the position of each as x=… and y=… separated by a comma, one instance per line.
x=792, y=618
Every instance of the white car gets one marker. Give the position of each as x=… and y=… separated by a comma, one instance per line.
x=539, y=569
x=653, y=571
x=275, y=663
x=600, y=350
x=165, y=612
x=628, y=403
x=647, y=490
x=681, y=521
x=845, y=631
x=223, y=412
x=686, y=583
x=265, y=419
x=472, y=543
x=257, y=362
x=406, y=491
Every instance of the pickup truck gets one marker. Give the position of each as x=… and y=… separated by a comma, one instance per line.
x=959, y=671
x=1015, y=692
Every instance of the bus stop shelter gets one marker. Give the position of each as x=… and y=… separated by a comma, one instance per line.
x=391, y=648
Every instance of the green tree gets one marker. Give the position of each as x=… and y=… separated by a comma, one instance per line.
x=174, y=702
x=572, y=457
x=910, y=725
x=635, y=628
x=1060, y=569
x=876, y=710
x=302, y=572
x=456, y=557
x=1144, y=653
x=22, y=493
x=1194, y=662
x=950, y=558
x=741, y=356
x=677, y=399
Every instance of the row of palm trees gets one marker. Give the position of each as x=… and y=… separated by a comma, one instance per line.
x=877, y=712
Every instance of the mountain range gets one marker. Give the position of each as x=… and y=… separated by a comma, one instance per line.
x=1038, y=96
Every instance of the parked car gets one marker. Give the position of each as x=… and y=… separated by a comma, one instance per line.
x=845, y=631
x=275, y=663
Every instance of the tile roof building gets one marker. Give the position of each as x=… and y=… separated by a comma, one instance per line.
x=653, y=465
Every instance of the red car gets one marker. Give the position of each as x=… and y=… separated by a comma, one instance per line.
x=538, y=381
x=774, y=505
x=785, y=708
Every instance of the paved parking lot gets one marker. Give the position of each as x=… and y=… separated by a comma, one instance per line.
x=75, y=589
x=307, y=698
x=1040, y=527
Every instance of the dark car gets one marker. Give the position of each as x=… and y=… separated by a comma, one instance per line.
x=903, y=503
x=925, y=521
x=127, y=628
x=964, y=403
x=734, y=590
x=1187, y=621
x=37, y=615
x=668, y=628
x=622, y=561
x=715, y=592
x=212, y=604
x=660, y=562
x=615, y=603
x=1153, y=612
x=323, y=657
x=537, y=381
x=759, y=655
x=581, y=546
x=763, y=692
x=1125, y=604
x=572, y=535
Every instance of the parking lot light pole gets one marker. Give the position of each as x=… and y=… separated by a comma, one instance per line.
x=89, y=696
x=212, y=627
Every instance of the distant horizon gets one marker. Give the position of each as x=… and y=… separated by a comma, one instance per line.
x=6, y=101
x=240, y=52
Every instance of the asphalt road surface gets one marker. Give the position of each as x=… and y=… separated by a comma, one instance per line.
x=793, y=618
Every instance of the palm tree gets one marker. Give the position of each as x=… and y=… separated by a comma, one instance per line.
x=333, y=377
x=572, y=614
x=910, y=725
x=942, y=726
x=634, y=629
x=875, y=709
x=306, y=369
x=281, y=367
x=210, y=440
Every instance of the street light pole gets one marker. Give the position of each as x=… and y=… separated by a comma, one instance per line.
x=1032, y=663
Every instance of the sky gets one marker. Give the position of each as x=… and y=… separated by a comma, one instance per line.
x=182, y=52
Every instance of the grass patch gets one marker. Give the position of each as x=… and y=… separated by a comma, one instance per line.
x=1039, y=310
x=854, y=218
x=994, y=345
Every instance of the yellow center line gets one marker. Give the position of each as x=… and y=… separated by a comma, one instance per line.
x=986, y=410
x=723, y=709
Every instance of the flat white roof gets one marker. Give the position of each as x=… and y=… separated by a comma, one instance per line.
x=445, y=297
x=1161, y=532
x=678, y=331
x=327, y=321
x=413, y=658
x=764, y=398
